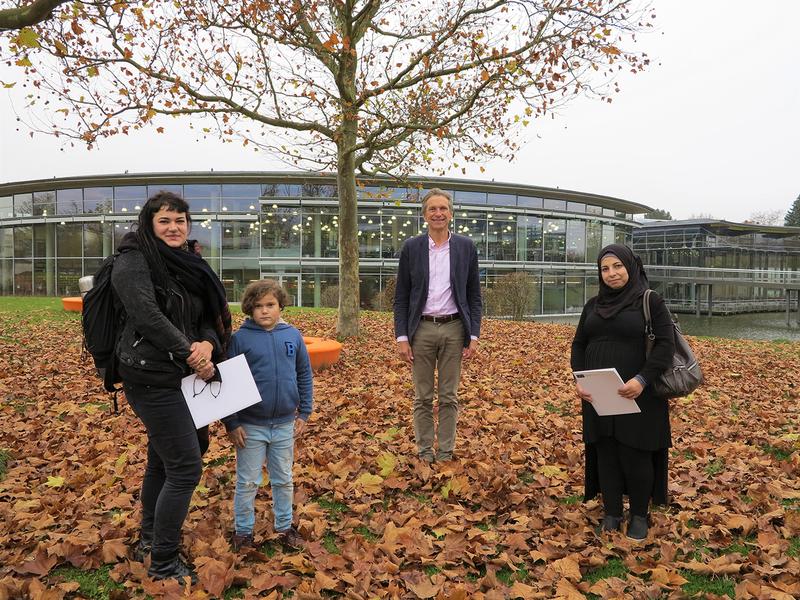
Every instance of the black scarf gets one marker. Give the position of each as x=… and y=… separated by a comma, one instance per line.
x=194, y=274
x=611, y=301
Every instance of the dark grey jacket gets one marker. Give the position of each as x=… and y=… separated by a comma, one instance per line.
x=413, y=274
x=160, y=326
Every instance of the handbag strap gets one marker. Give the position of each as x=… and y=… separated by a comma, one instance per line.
x=648, y=322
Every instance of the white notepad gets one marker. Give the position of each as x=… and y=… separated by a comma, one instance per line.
x=603, y=384
x=213, y=400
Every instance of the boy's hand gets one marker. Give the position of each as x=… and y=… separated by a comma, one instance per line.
x=299, y=428
x=238, y=437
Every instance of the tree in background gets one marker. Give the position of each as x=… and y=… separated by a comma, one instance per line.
x=659, y=214
x=12, y=19
x=792, y=218
x=766, y=217
x=351, y=86
x=511, y=295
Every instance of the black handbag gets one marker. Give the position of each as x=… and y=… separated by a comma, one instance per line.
x=685, y=375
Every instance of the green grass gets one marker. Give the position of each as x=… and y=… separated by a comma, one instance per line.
x=334, y=508
x=329, y=542
x=36, y=308
x=705, y=584
x=613, y=568
x=776, y=452
x=95, y=584
x=431, y=570
x=570, y=500
x=715, y=467
x=367, y=533
x=508, y=576
x=235, y=591
x=794, y=547
x=526, y=476
x=5, y=458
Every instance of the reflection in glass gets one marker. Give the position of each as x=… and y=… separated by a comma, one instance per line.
x=202, y=198
x=69, y=271
x=129, y=199
x=502, y=236
x=320, y=232
x=529, y=238
x=239, y=238
x=6, y=207
x=6, y=277
x=69, y=202
x=575, y=293
x=98, y=200
x=473, y=225
x=97, y=239
x=236, y=274
x=553, y=293
x=44, y=203
x=576, y=241
x=23, y=242
x=397, y=225
x=369, y=234
x=120, y=229
x=23, y=277
x=594, y=240
x=6, y=242
x=240, y=197
x=68, y=239
x=555, y=237
x=280, y=235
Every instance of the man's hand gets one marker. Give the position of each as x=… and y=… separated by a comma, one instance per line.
x=200, y=354
x=404, y=349
x=237, y=437
x=470, y=350
x=631, y=389
x=583, y=394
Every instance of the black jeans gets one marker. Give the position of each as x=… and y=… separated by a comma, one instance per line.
x=174, y=464
x=623, y=468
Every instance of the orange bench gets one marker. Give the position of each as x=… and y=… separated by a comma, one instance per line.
x=322, y=352
x=73, y=304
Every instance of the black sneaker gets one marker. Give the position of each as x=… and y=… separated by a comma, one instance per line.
x=637, y=528
x=242, y=541
x=141, y=551
x=175, y=568
x=610, y=523
x=290, y=538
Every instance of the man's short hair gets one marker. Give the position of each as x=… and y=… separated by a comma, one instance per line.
x=257, y=290
x=437, y=192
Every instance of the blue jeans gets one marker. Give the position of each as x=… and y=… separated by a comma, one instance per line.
x=273, y=444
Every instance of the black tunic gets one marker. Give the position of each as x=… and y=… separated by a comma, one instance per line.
x=620, y=342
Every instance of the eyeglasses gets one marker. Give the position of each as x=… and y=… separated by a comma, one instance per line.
x=214, y=387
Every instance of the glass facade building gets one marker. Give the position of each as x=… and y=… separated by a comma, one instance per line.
x=285, y=225
x=738, y=267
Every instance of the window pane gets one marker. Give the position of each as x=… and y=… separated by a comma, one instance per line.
x=23, y=205
x=472, y=225
x=239, y=239
x=608, y=235
x=553, y=292
x=240, y=197
x=555, y=204
x=44, y=203
x=120, y=230
x=280, y=231
x=130, y=198
x=575, y=292
x=69, y=271
x=529, y=238
x=576, y=241
x=44, y=276
x=23, y=277
x=98, y=200
x=594, y=210
x=555, y=237
x=202, y=198
x=318, y=190
x=396, y=227
x=97, y=239
x=44, y=240
x=320, y=287
x=175, y=188
x=320, y=232
x=463, y=197
x=6, y=207
x=208, y=234
x=594, y=240
x=23, y=242
x=529, y=201
x=502, y=199
x=369, y=234
x=6, y=242
x=236, y=274
x=68, y=239
x=69, y=202
x=6, y=277
x=502, y=236
x=578, y=207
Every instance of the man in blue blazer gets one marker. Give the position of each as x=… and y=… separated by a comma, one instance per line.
x=437, y=319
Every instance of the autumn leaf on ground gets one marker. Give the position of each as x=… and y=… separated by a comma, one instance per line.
x=54, y=481
x=387, y=462
x=371, y=484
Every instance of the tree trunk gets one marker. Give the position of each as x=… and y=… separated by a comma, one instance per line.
x=347, y=324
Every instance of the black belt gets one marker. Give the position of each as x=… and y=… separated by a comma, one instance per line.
x=441, y=319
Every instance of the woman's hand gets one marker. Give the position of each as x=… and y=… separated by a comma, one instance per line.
x=583, y=394
x=206, y=372
x=237, y=437
x=200, y=355
x=631, y=389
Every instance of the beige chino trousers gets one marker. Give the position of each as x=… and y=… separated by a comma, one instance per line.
x=436, y=347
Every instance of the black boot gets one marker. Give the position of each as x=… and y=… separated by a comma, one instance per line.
x=610, y=523
x=637, y=528
x=142, y=548
x=172, y=568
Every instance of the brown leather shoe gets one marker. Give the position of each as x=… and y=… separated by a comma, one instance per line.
x=241, y=542
x=290, y=538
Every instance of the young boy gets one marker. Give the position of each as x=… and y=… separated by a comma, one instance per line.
x=278, y=359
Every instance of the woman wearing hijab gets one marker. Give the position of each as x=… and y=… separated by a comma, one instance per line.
x=625, y=453
x=177, y=323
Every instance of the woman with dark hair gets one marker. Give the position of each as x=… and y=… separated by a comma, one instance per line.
x=177, y=323
x=625, y=453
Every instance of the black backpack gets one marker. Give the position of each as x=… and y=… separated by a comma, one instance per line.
x=103, y=320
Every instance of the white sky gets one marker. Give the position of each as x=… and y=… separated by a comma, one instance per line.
x=711, y=128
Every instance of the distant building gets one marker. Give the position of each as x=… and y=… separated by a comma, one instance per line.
x=746, y=267
x=284, y=225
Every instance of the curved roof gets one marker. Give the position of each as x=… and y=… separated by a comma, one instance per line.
x=723, y=227
x=56, y=183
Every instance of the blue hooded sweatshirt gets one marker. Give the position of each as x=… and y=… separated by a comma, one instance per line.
x=281, y=368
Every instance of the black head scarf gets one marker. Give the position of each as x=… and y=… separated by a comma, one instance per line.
x=193, y=273
x=611, y=301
